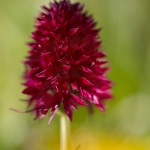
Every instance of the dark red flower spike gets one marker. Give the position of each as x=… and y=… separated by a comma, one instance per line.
x=64, y=65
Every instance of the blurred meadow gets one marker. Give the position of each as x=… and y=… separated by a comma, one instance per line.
x=126, y=41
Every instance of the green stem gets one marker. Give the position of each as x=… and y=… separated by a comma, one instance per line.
x=64, y=132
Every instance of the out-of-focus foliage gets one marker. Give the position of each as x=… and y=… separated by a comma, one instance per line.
x=126, y=40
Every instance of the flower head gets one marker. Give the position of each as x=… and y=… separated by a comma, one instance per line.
x=64, y=67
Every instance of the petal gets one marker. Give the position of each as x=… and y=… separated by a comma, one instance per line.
x=78, y=100
x=81, y=92
x=32, y=71
x=83, y=81
x=73, y=105
x=100, y=105
x=67, y=109
x=44, y=111
x=64, y=49
x=85, y=69
x=87, y=95
x=37, y=85
x=52, y=115
x=29, y=90
x=66, y=67
x=73, y=31
x=41, y=74
x=74, y=86
x=47, y=58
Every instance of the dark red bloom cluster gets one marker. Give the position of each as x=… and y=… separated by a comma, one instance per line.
x=64, y=67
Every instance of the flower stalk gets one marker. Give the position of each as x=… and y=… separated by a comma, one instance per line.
x=64, y=132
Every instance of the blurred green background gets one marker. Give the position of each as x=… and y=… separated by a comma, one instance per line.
x=126, y=40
